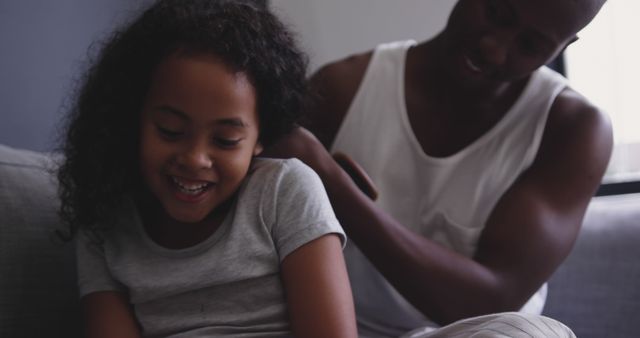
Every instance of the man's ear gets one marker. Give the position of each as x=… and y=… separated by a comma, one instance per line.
x=258, y=149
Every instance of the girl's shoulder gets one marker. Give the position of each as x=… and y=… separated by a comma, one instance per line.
x=123, y=221
x=266, y=167
x=270, y=175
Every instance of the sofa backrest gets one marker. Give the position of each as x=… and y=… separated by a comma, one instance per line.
x=596, y=291
x=38, y=295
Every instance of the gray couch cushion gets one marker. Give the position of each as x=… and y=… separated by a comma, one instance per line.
x=38, y=295
x=596, y=291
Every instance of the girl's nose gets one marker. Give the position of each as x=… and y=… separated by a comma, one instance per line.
x=195, y=158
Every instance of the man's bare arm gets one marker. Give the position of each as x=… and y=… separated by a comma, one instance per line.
x=529, y=233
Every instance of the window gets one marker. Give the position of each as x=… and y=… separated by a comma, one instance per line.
x=603, y=65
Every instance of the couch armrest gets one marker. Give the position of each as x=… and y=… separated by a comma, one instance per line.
x=38, y=294
x=596, y=291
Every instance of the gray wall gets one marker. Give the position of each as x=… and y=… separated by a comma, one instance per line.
x=43, y=44
x=332, y=29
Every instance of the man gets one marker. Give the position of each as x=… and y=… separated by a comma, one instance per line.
x=485, y=162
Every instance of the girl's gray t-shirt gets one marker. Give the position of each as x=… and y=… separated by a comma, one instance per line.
x=229, y=285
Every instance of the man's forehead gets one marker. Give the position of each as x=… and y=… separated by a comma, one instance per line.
x=559, y=19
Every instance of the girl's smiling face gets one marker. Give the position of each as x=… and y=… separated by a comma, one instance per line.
x=198, y=134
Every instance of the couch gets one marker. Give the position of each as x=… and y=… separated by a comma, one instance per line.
x=596, y=291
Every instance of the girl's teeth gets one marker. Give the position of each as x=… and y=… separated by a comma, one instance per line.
x=190, y=189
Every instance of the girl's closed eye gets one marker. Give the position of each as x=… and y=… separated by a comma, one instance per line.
x=227, y=142
x=169, y=134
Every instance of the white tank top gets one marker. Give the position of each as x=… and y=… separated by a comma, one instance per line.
x=447, y=199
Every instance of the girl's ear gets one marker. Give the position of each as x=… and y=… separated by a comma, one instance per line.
x=258, y=149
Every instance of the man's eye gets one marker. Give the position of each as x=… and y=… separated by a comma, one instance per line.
x=226, y=142
x=497, y=14
x=168, y=133
x=528, y=46
x=491, y=11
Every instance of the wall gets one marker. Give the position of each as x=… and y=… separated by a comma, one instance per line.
x=332, y=29
x=43, y=44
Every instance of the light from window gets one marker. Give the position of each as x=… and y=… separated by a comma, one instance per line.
x=604, y=65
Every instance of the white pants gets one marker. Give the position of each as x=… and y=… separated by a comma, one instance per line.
x=500, y=325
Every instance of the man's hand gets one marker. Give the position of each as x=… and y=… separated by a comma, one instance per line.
x=301, y=144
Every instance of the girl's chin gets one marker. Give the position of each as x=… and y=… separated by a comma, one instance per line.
x=191, y=217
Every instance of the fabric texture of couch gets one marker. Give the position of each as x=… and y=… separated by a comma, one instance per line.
x=38, y=296
x=595, y=291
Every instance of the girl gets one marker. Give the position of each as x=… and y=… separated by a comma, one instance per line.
x=182, y=232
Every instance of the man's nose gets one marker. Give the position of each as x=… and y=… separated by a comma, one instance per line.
x=494, y=48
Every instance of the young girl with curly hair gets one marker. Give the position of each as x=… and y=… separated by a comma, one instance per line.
x=180, y=230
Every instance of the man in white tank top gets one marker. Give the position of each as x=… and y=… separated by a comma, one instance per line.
x=485, y=163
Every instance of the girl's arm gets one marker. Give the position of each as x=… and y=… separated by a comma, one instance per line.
x=318, y=291
x=108, y=314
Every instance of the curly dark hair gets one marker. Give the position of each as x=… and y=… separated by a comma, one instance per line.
x=101, y=138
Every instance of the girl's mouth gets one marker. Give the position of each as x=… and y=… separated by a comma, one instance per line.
x=190, y=187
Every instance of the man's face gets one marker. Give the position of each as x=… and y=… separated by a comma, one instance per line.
x=505, y=40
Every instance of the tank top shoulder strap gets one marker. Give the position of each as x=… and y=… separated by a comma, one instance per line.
x=535, y=104
x=382, y=87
